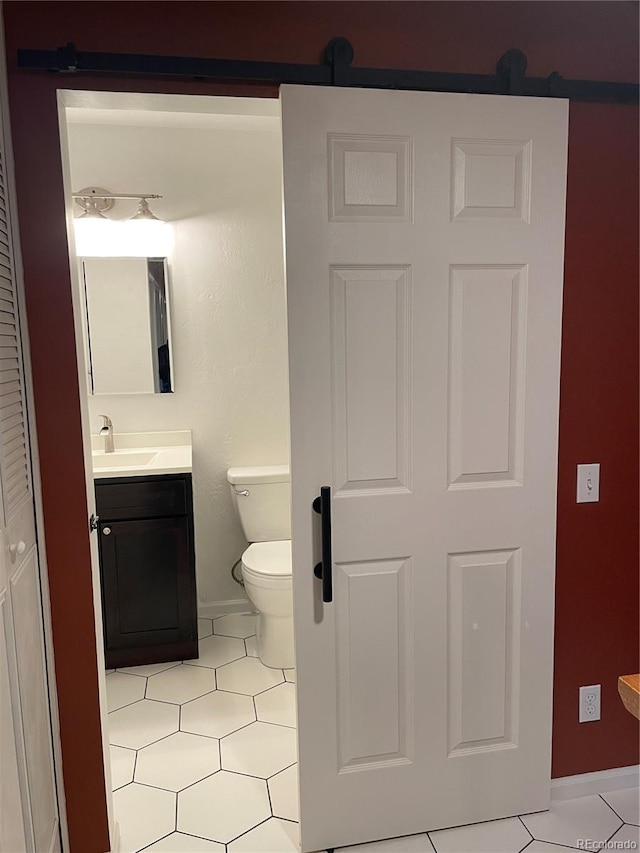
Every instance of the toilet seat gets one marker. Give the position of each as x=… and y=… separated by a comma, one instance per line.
x=268, y=563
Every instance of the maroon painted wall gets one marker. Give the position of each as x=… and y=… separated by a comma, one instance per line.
x=597, y=568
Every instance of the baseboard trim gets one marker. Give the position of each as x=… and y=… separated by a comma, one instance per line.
x=571, y=787
x=212, y=609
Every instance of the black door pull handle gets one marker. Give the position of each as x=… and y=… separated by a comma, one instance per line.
x=323, y=570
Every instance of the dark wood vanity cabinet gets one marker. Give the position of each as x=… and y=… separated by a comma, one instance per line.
x=147, y=567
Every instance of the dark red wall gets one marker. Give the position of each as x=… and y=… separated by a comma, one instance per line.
x=597, y=569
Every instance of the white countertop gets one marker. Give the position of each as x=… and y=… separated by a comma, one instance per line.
x=140, y=454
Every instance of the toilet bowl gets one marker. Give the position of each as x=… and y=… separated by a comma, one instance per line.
x=262, y=496
x=266, y=571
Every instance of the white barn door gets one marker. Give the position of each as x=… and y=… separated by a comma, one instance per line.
x=424, y=257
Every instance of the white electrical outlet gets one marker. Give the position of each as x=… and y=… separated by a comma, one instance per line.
x=589, y=709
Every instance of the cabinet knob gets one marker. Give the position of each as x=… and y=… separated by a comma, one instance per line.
x=20, y=548
x=106, y=530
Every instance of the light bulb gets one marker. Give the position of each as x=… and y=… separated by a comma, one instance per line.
x=94, y=236
x=146, y=238
x=129, y=238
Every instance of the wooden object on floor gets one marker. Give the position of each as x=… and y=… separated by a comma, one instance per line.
x=629, y=690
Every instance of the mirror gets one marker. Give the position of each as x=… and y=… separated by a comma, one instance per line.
x=128, y=326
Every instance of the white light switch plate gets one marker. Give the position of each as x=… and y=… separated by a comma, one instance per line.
x=588, y=483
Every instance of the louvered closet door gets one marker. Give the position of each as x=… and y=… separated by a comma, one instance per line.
x=23, y=653
x=14, y=462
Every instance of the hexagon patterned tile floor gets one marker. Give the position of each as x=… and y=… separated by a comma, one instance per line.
x=123, y=689
x=177, y=761
x=626, y=838
x=205, y=763
x=406, y=844
x=181, y=684
x=216, y=651
x=260, y=749
x=248, y=675
x=142, y=723
x=148, y=669
x=235, y=625
x=217, y=714
x=144, y=815
x=587, y=817
x=178, y=842
x=625, y=803
x=122, y=763
x=278, y=705
x=272, y=836
x=251, y=646
x=223, y=807
x=501, y=836
x=283, y=791
x=205, y=628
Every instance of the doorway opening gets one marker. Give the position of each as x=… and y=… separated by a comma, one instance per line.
x=200, y=746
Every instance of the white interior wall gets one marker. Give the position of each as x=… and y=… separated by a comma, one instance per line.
x=222, y=193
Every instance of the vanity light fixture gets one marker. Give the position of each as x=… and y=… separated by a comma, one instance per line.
x=142, y=235
x=144, y=212
x=92, y=228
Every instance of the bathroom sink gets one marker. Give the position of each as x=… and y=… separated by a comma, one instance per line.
x=122, y=459
x=143, y=454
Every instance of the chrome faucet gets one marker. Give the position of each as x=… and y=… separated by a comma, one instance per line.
x=107, y=432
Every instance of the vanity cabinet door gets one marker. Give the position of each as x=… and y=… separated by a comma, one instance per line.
x=148, y=594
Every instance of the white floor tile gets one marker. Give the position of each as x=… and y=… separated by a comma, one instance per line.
x=217, y=714
x=494, y=836
x=407, y=844
x=570, y=820
x=144, y=815
x=283, y=790
x=122, y=764
x=626, y=803
x=205, y=628
x=251, y=646
x=148, y=669
x=248, y=675
x=142, y=723
x=260, y=749
x=216, y=651
x=123, y=689
x=290, y=675
x=235, y=625
x=547, y=847
x=223, y=806
x=278, y=705
x=181, y=684
x=178, y=842
x=177, y=761
x=272, y=836
x=626, y=838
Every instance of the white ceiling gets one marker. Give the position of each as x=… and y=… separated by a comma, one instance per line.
x=153, y=110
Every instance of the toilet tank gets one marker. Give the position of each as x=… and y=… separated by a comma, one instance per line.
x=262, y=496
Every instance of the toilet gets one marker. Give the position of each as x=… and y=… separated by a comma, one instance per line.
x=262, y=496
